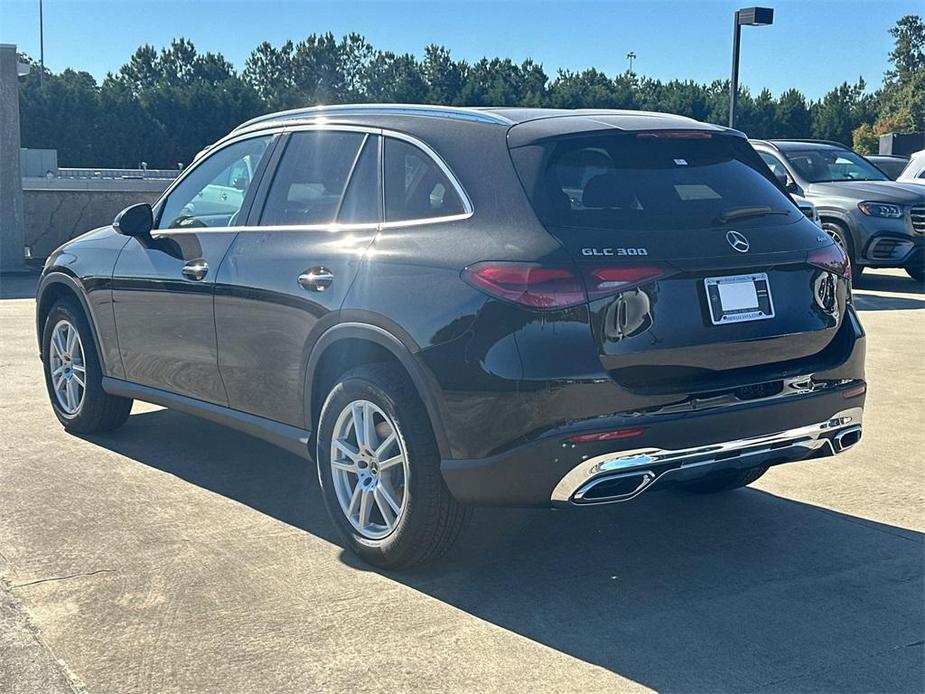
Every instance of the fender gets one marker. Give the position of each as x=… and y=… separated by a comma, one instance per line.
x=67, y=278
x=420, y=378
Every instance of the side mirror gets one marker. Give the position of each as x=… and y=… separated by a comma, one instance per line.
x=792, y=187
x=136, y=220
x=782, y=178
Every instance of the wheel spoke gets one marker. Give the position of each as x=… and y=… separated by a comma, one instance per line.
x=347, y=449
x=384, y=446
x=77, y=368
x=369, y=423
x=345, y=466
x=358, y=412
x=71, y=396
x=391, y=462
x=79, y=381
x=56, y=343
x=388, y=498
x=365, y=508
x=59, y=383
x=70, y=339
x=389, y=514
x=57, y=370
x=355, y=500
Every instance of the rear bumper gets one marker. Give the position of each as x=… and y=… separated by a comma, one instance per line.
x=553, y=471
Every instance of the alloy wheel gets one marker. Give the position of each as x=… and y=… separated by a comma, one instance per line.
x=67, y=367
x=369, y=468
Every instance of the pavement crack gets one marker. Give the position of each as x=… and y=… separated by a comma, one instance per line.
x=62, y=578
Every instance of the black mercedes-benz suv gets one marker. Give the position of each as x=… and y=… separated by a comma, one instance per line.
x=446, y=307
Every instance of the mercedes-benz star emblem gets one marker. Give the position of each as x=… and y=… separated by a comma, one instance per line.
x=737, y=241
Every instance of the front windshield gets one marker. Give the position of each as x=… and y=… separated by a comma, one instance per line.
x=825, y=165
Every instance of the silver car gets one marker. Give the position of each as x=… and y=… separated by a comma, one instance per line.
x=879, y=222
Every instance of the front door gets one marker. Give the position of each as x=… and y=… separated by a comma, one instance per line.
x=163, y=285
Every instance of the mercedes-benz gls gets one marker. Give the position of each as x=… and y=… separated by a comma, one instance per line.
x=446, y=307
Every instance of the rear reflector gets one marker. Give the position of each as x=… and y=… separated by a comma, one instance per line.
x=538, y=286
x=605, y=435
x=854, y=391
x=832, y=258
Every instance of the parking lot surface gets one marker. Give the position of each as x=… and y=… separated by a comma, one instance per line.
x=174, y=556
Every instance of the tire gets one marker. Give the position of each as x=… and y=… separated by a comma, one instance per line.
x=840, y=234
x=724, y=481
x=92, y=410
x=428, y=519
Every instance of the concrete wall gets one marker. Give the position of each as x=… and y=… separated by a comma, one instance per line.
x=56, y=210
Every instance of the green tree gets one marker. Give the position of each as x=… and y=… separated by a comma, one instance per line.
x=792, y=118
x=841, y=111
x=444, y=76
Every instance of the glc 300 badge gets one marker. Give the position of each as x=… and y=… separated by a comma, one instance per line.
x=614, y=251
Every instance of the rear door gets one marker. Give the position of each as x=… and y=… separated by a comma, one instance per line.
x=696, y=262
x=162, y=285
x=288, y=272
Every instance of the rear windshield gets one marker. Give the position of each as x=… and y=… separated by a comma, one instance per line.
x=641, y=181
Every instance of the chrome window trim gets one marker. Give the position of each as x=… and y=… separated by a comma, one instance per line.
x=468, y=208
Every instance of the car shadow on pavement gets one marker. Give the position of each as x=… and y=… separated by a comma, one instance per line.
x=879, y=281
x=877, y=302
x=740, y=591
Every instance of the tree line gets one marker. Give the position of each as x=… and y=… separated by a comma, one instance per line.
x=161, y=107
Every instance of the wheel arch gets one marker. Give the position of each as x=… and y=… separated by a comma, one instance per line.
x=350, y=344
x=53, y=287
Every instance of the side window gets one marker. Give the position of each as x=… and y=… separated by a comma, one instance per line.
x=361, y=199
x=212, y=194
x=774, y=164
x=311, y=177
x=415, y=186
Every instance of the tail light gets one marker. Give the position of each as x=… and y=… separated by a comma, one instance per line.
x=539, y=286
x=603, y=281
x=532, y=285
x=832, y=258
x=674, y=135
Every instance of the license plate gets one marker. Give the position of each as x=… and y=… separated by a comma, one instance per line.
x=739, y=298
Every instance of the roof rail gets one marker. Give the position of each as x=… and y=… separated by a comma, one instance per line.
x=381, y=110
x=810, y=140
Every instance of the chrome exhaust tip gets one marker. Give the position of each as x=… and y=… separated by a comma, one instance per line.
x=612, y=488
x=846, y=438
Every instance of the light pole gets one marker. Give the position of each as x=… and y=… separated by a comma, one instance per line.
x=749, y=17
x=41, y=45
x=631, y=56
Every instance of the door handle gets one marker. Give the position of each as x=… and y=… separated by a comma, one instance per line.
x=316, y=279
x=195, y=270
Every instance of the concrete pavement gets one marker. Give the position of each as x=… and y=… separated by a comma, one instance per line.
x=177, y=556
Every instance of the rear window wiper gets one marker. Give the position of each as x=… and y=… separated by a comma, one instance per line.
x=742, y=212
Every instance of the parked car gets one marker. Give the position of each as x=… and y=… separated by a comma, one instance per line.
x=445, y=307
x=915, y=169
x=808, y=208
x=879, y=222
x=890, y=164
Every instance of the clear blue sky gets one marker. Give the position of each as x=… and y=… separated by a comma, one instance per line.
x=813, y=45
